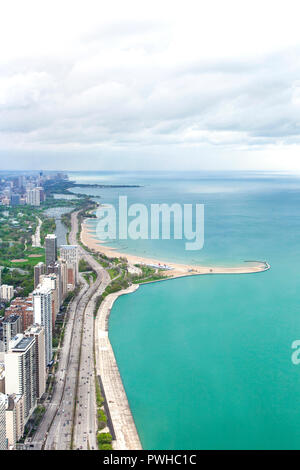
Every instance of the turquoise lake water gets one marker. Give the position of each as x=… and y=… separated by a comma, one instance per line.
x=206, y=361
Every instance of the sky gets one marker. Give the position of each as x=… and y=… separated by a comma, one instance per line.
x=140, y=85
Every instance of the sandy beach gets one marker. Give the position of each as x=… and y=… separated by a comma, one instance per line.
x=178, y=270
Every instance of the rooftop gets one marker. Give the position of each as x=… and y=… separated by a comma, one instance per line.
x=23, y=344
x=35, y=328
x=42, y=289
x=11, y=318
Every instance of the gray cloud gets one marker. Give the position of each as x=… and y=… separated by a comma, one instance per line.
x=120, y=87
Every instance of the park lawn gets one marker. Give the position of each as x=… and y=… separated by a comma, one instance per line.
x=24, y=264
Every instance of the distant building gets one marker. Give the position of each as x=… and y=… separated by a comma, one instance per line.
x=42, y=308
x=15, y=200
x=51, y=249
x=35, y=196
x=23, y=201
x=6, y=292
x=20, y=371
x=42, y=194
x=21, y=181
x=6, y=201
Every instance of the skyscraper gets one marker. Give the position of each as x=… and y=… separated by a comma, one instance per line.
x=52, y=282
x=42, y=311
x=20, y=371
x=33, y=197
x=51, y=249
x=69, y=253
x=38, y=332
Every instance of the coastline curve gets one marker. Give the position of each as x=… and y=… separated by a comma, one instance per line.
x=89, y=240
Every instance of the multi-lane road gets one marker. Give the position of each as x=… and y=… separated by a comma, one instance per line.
x=70, y=420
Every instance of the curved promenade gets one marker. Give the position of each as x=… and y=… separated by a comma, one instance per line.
x=126, y=435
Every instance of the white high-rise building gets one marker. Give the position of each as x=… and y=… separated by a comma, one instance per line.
x=6, y=292
x=3, y=442
x=51, y=281
x=42, y=313
x=38, y=332
x=20, y=371
x=33, y=197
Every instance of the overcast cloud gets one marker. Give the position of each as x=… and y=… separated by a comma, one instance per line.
x=136, y=84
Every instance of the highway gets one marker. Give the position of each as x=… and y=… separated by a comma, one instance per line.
x=85, y=419
x=70, y=420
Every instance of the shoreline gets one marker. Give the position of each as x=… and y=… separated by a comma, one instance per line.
x=178, y=270
x=126, y=435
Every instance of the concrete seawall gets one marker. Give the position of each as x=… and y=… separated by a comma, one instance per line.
x=126, y=435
